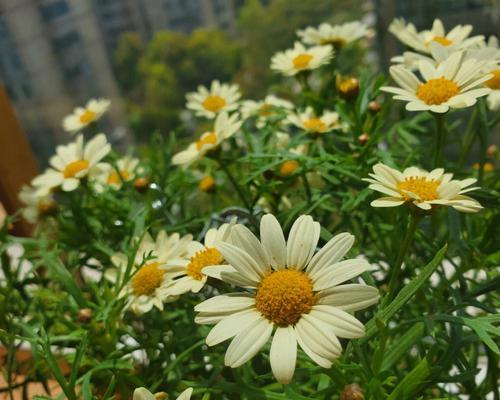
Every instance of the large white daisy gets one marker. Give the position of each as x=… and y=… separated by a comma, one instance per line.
x=210, y=102
x=83, y=116
x=454, y=83
x=300, y=58
x=458, y=38
x=225, y=126
x=336, y=35
x=189, y=271
x=144, y=394
x=315, y=124
x=146, y=285
x=421, y=188
x=72, y=163
x=264, y=109
x=293, y=291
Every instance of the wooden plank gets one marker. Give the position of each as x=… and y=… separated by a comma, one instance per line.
x=17, y=162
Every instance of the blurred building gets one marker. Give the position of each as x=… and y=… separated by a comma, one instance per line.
x=56, y=54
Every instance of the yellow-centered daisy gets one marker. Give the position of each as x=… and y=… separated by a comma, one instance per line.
x=107, y=175
x=454, y=83
x=144, y=394
x=336, y=35
x=36, y=205
x=225, y=126
x=300, y=58
x=294, y=291
x=83, y=116
x=420, y=188
x=209, y=103
x=264, y=109
x=315, y=124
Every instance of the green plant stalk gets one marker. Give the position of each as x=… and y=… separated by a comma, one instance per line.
x=440, y=139
x=403, y=250
x=469, y=137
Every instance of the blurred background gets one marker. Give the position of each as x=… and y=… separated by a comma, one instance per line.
x=145, y=55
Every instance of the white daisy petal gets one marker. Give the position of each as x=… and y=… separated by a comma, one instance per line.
x=283, y=355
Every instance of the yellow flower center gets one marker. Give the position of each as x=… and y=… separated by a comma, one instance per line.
x=315, y=125
x=288, y=167
x=336, y=42
x=207, y=184
x=115, y=178
x=74, y=167
x=348, y=87
x=424, y=189
x=147, y=279
x=209, y=138
x=204, y=258
x=284, y=296
x=488, y=167
x=441, y=40
x=302, y=61
x=266, y=110
x=87, y=117
x=494, y=82
x=214, y=103
x=437, y=91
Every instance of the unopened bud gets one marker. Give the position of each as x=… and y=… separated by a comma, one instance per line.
x=84, y=315
x=160, y=396
x=289, y=167
x=488, y=167
x=352, y=392
x=374, y=106
x=207, y=184
x=47, y=207
x=492, y=150
x=141, y=184
x=363, y=138
x=348, y=88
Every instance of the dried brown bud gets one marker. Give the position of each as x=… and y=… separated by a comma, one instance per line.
x=207, y=184
x=352, y=392
x=363, y=138
x=141, y=184
x=347, y=88
x=374, y=106
x=492, y=150
x=84, y=315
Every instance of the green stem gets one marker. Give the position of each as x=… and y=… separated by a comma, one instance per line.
x=469, y=136
x=403, y=250
x=440, y=139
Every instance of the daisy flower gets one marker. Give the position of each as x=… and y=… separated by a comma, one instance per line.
x=313, y=124
x=298, y=59
x=144, y=394
x=36, y=205
x=264, y=109
x=107, y=175
x=210, y=102
x=421, y=188
x=293, y=291
x=458, y=37
x=336, y=35
x=453, y=84
x=225, y=126
x=72, y=163
x=148, y=285
x=83, y=116
x=189, y=271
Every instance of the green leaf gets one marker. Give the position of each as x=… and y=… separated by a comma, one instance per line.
x=403, y=345
x=483, y=328
x=408, y=388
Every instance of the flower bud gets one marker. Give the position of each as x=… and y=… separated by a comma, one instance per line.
x=141, y=184
x=352, y=392
x=363, y=138
x=47, y=207
x=374, y=106
x=160, y=396
x=85, y=315
x=492, y=150
x=348, y=88
x=289, y=167
x=488, y=167
x=207, y=184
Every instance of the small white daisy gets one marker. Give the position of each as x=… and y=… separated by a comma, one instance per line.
x=421, y=188
x=294, y=291
x=300, y=58
x=210, y=102
x=147, y=285
x=144, y=394
x=36, y=205
x=336, y=35
x=107, y=175
x=72, y=163
x=453, y=84
x=189, y=271
x=225, y=126
x=458, y=38
x=264, y=109
x=83, y=116
x=314, y=124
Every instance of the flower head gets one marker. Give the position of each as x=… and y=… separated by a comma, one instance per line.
x=106, y=175
x=458, y=38
x=300, y=58
x=225, y=126
x=83, y=116
x=144, y=394
x=36, y=205
x=315, y=124
x=453, y=84
x=264, y=109
x=421, y=188
x=336, y=35
x=209, y=103
x=72, y=163
x=294, y=291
